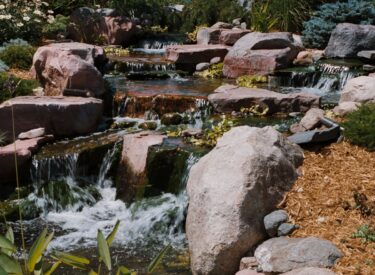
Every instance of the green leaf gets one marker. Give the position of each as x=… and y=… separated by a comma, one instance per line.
x=52, y=268
x=38, y=248
x=104, y=250
x=7, y=244
x=122, y=270
x=10, y=235
x=72, y=260
x=92, y=272
x=10, y=265
x=2, y=271
x=157, y=260
x=112, y=235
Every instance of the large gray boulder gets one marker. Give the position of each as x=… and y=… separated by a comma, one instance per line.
x=229, y=98
x=261, y=54
x=347, y=40
x=285, y=254
x=59, y=116
x=63, y=66
x=230, y=190
x=360, y=90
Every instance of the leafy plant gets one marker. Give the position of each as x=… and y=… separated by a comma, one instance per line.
x=192, y=36
x=116, y=51
x=317, y=31
x=24, y=87
x=366, y=233
x=59, y=26
x=359, y=127
x=17, y=56
x=262, y=19
x=250, y=81
x=214, y=71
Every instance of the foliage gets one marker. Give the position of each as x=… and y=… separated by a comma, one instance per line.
x=212, y=134
x=24, y=87
x=192, y=36
x=3, y=67
x=214, y=71
x=59, y=26
x=17, y=55
x=116, y=51
x=359, y=128
x=250, y=81
x=255, y=110
x=199, y=12
x=34, y=263
x=66, y=7
x=262, y=19
x=366, y=233
x=23, y=18
x=317, y=30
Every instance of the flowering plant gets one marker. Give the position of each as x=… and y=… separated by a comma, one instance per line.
x=23, y=18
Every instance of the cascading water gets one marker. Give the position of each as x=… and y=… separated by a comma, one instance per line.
x=158, y=220
x=141, y=67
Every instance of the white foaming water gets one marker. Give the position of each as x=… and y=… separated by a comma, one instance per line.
x=158, y=220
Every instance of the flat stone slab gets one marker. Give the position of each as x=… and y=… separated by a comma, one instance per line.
x=60, y=116
x=229, y=98
x=370, y=55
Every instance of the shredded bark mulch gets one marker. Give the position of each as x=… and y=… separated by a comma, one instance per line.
x=333, y=198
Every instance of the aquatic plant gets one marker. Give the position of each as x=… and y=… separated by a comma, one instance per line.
x=250, y=81
x=317, y=31
x=359, y=126
x=214, y=71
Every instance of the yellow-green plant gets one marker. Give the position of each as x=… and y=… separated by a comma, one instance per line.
x=256, y=110
x=250, y=81
x=192, y=36
x=116, y=51
x=214, y=71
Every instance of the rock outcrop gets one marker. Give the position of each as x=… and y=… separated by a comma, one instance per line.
x=347, y=40
x=360, y=89
x=59, y=116
x=186, y=57
x=230, y=190
x=229, y=98
x=260, y=54
x=285, y=254
x=74, y=66
x=213, y=35
x=101, y=26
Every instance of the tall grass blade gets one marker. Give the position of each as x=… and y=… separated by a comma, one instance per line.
x=112, y=235
x=11, y=266
x=157, y=260
x=104, y=250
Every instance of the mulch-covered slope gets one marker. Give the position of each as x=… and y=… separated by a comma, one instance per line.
x=323, y=202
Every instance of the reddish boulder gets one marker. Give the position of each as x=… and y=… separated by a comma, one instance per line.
x=230, y=37
x=229, y=98
x=186, y=57
x=63, y=66
x=260, y=54
x=223, y=36
x=60, y=116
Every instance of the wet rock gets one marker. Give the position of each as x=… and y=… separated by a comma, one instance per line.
x=304, y=58
x=311, y=120
x=222, y=25
x=285, y=254
x=215, y=60
x=186, y=57
x=360, y=89
x=310, y=271
x=24, y=151
x=63, y=66
x=229, y=98
x=34, y=133
x=252, y=178
x=171, y=119
x=202, y=66
x=88, y=25
x=148, y=125
x=369, y=55
x=132, y=173
x=347, y=40
x=192, y=132
x=260, y=54
x=345, y=108
x=273, y=220
x=248, y=263
x=60, y=116
x=285, y=229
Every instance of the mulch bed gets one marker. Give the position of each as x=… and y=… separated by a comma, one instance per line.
x=333, y=198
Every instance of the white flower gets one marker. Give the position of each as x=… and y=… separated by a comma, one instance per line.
x=19, y=25
x=50, y=11
x=37, y=12
x=26, y=18
x=2, y=17
x=37, y=20
x=2, y=7
x=8, y=16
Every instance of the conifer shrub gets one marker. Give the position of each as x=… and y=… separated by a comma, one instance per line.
x=17, y=54
x=318, y=29
x=359, y=127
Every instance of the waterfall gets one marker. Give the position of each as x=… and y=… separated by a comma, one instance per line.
x=157, y=44
x=141, y=67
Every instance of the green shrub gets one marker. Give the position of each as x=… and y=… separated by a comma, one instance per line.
x=60, y=25
x=25, y=87
x=318, y=29
x=250, y=81
x=17, y=56
x=359, y=128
